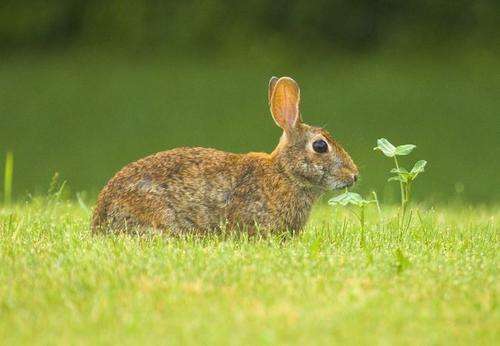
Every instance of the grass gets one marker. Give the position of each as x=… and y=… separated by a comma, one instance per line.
x=8, y=177
x=437, y=283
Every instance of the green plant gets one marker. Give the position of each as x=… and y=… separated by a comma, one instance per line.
x=402, y=175
x=354, y=199
x=8, y=178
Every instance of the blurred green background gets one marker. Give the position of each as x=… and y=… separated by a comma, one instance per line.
x=88, y=86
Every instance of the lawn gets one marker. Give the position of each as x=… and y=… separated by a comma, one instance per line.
x=436, y=283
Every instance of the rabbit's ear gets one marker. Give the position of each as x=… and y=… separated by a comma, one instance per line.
x=284, y=103
x=272, y=84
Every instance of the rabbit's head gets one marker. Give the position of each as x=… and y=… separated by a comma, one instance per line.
x=308, y=154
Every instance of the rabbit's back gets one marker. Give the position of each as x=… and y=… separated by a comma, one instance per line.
x=179, y=189
x=199, y=189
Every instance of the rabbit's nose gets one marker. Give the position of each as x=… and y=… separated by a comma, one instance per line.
x=355, y=177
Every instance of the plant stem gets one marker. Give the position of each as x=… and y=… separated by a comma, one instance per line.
x=407, y=201
x=403, y=198
x=375, y=198
x=8, y=177
x=400, y=183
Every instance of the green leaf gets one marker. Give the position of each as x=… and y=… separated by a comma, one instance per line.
x=419, y=167
x=400, y=178
x=348, y=198
x=405, y=149
x=386, y=147
x=401, y=170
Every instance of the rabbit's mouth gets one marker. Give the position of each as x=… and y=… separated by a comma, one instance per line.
x=341, y=184
x=341, y=179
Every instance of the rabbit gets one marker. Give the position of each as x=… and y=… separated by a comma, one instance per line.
x=204, y=190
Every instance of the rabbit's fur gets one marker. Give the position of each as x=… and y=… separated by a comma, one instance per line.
x=202, y=190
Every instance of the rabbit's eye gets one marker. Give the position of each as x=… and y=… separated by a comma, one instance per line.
x=320, y=146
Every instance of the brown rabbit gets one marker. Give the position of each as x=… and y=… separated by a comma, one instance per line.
x=201, y=190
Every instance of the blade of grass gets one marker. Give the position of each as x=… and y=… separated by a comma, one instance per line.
x=8, y=178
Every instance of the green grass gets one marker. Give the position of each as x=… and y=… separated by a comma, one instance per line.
x=435, y=284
